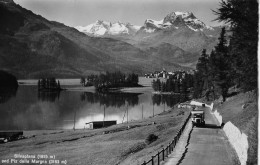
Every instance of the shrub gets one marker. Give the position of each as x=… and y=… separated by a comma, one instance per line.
x=151, y=138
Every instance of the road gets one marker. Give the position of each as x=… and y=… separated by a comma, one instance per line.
x=204, y=146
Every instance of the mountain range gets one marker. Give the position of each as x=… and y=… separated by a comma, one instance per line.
x=181, y=29
x=172, y=20
x=32, y=46
x=102, y=28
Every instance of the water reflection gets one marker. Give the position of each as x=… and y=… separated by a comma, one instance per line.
x=6, y=93
x=169, y=100
x=50, y=96
x=28, y=109
x=111, y=99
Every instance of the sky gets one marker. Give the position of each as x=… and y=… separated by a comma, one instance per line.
x=84, y=12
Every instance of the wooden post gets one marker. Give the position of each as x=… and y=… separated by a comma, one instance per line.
x=142, y=112
x=127, y=112
x=158, y=158
x=152, y=161
x=167, y=150
x=163, y=154
x=153, y=110
x=104, y=116
x=74, y=121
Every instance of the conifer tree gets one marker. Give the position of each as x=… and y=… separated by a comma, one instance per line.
x=220, y=66
x=201, y=75
x=242, y=15
x=202, y=68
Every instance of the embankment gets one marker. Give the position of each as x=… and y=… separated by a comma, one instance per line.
x=240, y=115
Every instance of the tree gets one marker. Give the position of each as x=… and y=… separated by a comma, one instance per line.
x=58, y=84
x=197, y=85
x=183, y=87
x=242, y=15
x=201, y=80
x=163, y=87
x=220, y=66
x=202, y=68
x=82, y=81
x=177, y=86
x=212, y=68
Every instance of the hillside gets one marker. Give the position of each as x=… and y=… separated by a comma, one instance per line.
x=33, y=47
x=242, y=111
x=180, y=30
x=30, y=46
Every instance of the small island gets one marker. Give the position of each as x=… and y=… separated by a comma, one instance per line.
x=49, y=84
x=111, y=81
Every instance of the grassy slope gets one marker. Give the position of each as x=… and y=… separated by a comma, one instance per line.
x=246, y=119
x=113, y=145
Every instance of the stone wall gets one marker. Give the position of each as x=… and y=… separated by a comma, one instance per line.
x=238, y=140
x=218, y=117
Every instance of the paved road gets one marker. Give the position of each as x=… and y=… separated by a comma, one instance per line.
x=206, y=146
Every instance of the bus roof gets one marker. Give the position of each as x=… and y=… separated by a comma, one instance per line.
x=197, y=112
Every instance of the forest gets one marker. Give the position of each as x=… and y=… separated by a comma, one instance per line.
x=233, y=61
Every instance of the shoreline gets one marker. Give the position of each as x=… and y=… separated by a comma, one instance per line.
x=165, y=93
x=115, y=143
x=78, y=88
x=87, y=129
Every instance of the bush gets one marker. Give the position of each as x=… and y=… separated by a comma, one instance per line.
x=151, y=138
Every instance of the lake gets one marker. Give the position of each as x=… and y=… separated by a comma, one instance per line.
x=28, y=109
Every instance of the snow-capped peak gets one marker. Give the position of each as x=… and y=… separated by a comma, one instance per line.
x=100, y=28
x=176, y=20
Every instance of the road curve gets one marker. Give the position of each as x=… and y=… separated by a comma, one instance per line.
x=206, y=146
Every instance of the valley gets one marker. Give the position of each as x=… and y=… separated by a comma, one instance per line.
x=34, y=47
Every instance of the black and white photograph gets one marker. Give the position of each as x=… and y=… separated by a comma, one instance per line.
x=129, y=82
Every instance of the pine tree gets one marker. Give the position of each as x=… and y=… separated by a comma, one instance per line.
x=58, y=84
x=220, y=66
x=177, y=86
x=242, y=15
x=163, y=87
x=202, y=68
x=201, y=75
x=211, y=77
x=82, y=81
x=198, y=83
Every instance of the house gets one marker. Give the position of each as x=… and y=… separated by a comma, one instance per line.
x=100, y=124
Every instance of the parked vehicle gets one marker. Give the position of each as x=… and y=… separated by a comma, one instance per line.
x=198, y=117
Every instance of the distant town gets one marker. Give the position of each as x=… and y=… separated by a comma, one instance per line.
x=166, y=75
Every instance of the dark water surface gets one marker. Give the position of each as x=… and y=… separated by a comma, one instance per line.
x=28, y=109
